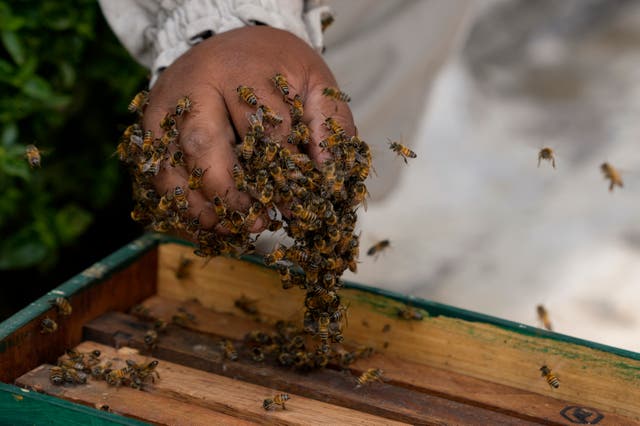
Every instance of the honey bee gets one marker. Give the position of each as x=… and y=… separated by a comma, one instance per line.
x=305, y=215
x=281, y=84
x=612, y=174
x=195, y=179
x=543, y=315
x=246, y=305
x=278, y=177
x=371, y=375
x=48, y=326
x=180, y=197
x=100, y=370
x=255, y=123
x=138, y=102
x=279, y=399
x=183, y=269
x=184, y=105
x=338, y=186
x=248, y=146
x=547, y=154
x=247, y=95
x=402, y=151
x=118, y=377
x=335, y=94
x=300, y=134
x=296, y=109
x=33, y=156
x=270, y=116
x=177, y=159
x=378, y=247
x=323, y=331
x=168, y=122
x=183, y=317
x=151, y=338
x=252, y=216
x=220, y=207
x=140, y=372
x=330, y=142
x=275, y=256
x=333, y=126
x=266, y=195
x=171, y=136
x=270, y=151
x=71, y=375
x=166, y=201
x=56, y=376
x=551, y=378
x=326, y=20
x=230, y=351
x=360, y=194
x=408, y=313
x=63, y=306
x=147, y=142
x=239, y=178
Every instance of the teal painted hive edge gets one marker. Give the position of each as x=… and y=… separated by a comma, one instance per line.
x=96, y=273
x=24, y=407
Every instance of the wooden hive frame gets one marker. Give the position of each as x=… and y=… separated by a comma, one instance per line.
x=455, y=365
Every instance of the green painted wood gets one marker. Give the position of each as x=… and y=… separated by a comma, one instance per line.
x=23, y=407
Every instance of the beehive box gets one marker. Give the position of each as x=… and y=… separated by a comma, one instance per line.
x=451, y=367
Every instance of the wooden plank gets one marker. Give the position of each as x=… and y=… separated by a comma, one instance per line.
x=435, y=381
x=202, y=351
x=26, y=348
x=234, y=397
x=589, y=376
x=126, y=401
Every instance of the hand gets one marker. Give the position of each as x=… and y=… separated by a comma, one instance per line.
x=209, y=73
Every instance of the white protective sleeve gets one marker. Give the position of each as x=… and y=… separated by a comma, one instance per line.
x=157, y=32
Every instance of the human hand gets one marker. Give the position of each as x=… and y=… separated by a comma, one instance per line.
x=209, y=73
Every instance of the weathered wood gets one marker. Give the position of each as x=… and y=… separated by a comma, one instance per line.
x=588, y=376
x=233, y=397
x=202, y=351
x=128, y=402
x=27, y=347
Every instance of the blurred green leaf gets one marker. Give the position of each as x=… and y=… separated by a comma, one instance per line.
x=37, y=88
x=71, y=221
x=14, y=46
x=22, y=250
x=15, y=167
x=9, y=134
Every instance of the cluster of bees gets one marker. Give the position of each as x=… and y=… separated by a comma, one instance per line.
x=76, y=367
x=320, y=200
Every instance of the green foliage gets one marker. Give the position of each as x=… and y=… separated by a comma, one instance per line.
x=65, y=82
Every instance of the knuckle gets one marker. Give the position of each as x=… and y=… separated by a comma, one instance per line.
x=197, y=141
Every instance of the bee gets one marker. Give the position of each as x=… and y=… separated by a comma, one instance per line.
x=335, y=94
x=326, y=20
x=166, y=201
x=330, y=142
x=183, y=269
x=296, y=109
x=71, y=375
x=270, y=115
x=246, y=305
x=333, y=126
x=63, y=305
x=238, y=177
x=270, y=151
x=180, y=197
x=371, y=375
x=279, y=399
x=338, y=186
x=248, y=146
x=168, y=122
x=275, y=256
x=543, y=315
x=177, y=159
x=247, y=95
x=300, y=135
x=349, y=157
x=257, y=354
x=48, y=326
x=360, y=194
x=230, y=351
x=378, y=247
x=33, y=156
x=118, y=377
x=323, y=331
x=305, y=215
x=183, y=317
x=252, y=216
x=184, y=105
x=101, y=370
x=56, y=376
x=408, y=313
x=255, y=123
x=220, y=207
x=147, y=142
x=267, y=194
x=547, y=154
x=195, y=179
x=171, y=136
x=281, y=84
x=612, y=174
x=138, y=102
x=551, y=378
x=140, y=372
x=285, y=277
x=278, y=177
x=402, y=151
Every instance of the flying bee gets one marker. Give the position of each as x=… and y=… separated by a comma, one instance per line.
x=247, y=95
x=248, y=145
x=401, y=150
x=371, y=375
x=279, y=399
x=220, y=207
x=612, y=174
x=168, y=122
x=546, y=153
x=408, y=313
x=138, y=102
x=239, y=178
x=270, y=116
x=246, y=305
x=195, y=179
x=543, y=315
x=63, y=306
x=33, y=156
x=48, y=326
x=300, y=134
x=551, y=378
x=183, y=269
x=180, y=197
x=151, y=338
x=281, y=84
x=326, y=20
x=275, y=256
x=378, y=247
x=184, y=105
x=230, y=351
x=296, y=109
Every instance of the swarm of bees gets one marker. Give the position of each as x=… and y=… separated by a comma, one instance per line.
x=75, y=368
x=322, y=199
